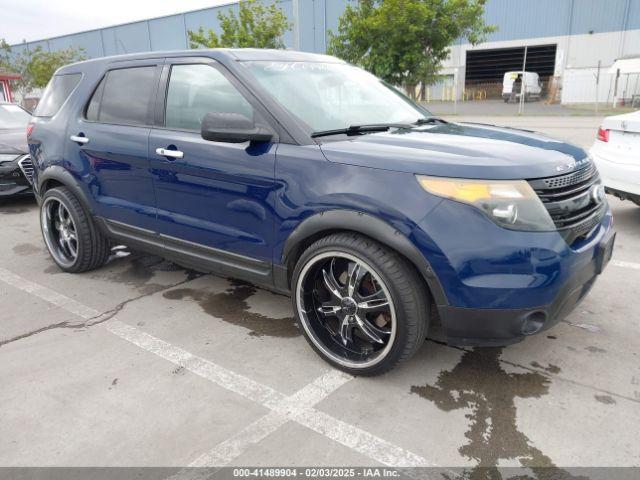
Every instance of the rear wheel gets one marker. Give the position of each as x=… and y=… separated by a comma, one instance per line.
x=73, y=240
x=360, y=305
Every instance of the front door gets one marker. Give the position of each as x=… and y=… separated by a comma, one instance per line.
x=213, y=199
x=113, y=136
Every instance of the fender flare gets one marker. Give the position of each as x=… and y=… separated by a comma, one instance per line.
x=373, y=227
x=59, y=174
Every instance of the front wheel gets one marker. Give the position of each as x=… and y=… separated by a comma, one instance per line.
x=360, y=305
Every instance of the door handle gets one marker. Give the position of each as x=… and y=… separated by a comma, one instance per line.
x=165, y=152
x=79, y=139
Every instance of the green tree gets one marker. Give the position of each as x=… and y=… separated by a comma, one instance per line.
x=257, y=25
x=405, y=42
x=36, y=66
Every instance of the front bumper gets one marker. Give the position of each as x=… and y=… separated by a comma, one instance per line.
x=12, y=181
x=503, y=285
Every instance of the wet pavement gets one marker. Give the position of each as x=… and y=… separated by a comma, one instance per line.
x=144, y=363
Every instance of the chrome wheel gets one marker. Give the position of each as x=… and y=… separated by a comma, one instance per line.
x=59, y=231
x=346, y=309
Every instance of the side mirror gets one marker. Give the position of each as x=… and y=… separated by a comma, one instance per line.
x=232, y=128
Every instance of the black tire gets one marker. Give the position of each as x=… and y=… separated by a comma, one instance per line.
x=409, y=299
x=92, y=247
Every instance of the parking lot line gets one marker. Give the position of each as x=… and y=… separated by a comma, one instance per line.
x=297, y=407
x=204, y=368
x=48, y=295
x=223, y=453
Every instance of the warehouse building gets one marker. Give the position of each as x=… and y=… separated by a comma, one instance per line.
x=571, y=44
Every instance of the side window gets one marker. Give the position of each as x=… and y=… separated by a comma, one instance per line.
x=124, y=97
x=194, y=91
x=56, y=93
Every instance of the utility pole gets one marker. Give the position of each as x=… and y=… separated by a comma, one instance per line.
x=296, y=24
x=455, y=91
x=523, y=84
x=597, y=83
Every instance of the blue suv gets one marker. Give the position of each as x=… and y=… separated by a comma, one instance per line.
x=308, y=176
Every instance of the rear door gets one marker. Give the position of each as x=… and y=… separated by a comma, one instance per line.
x=214, y=199
x=112, y=138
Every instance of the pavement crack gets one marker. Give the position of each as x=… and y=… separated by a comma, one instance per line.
x=53, y=326
x=97, y=319
x=109, y=314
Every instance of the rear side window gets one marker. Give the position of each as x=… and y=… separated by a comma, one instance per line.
x=56, y=93
x=124, y=97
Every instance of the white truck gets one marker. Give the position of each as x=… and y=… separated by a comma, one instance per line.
x=530, y=85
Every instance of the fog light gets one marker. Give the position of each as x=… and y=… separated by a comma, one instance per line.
x=533, y=322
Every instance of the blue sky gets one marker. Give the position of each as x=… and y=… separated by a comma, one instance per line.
x=36, y=19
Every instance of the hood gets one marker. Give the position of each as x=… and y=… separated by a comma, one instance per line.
x=13, y=141
x=462, y=150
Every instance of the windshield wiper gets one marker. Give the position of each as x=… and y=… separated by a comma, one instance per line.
x=358, y=129
x=428, y=120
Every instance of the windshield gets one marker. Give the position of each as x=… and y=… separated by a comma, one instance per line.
x=13, y=117
x=328, y=96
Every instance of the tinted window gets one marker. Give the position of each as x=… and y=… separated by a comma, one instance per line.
x=56, y=93
x=94, y=105
x=195, y=90
x=126, y=96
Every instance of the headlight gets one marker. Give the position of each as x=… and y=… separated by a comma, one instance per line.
x=509, y=203
x=8, y=157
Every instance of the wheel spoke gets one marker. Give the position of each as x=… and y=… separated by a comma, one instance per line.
x=346, y=329
x=368, y=329
x=331, y=282
x=73, y=249
x=62, y=243
x=61, y=216
x=374, y=303
x=356, y=274
x=329, y=309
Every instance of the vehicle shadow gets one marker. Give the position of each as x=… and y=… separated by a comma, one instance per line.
x=17, y=205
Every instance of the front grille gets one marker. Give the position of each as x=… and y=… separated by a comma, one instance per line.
x=26, y=165
x=568, y=199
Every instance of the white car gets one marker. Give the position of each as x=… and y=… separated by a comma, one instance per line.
x=616, y=152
